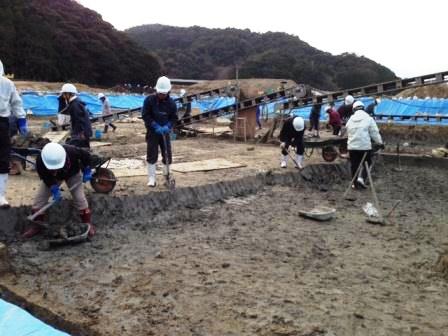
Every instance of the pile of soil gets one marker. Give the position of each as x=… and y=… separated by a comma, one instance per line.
x=434, y=91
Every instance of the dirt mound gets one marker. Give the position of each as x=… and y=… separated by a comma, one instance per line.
x=51, y=86
x=249, y=87
x=435, y=91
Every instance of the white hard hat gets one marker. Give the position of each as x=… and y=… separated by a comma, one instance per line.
x=358, y=105
x=69, y=88
x=182, y=92
x=349, y=100
x=163, y=85
x=377, y=100
x=53, y=156
x=327, y=108
x=101, y=95
x=298, y=124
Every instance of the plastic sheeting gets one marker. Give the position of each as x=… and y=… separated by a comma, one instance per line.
x=400, y=107
x=16, y=321
x=47, y=104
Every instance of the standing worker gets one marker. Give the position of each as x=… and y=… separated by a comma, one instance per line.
x=362, y=130
x=55, y=164
x=10, y=103
x=292, y=134
x=81, y=128
x=334, y=119
x=370, y=109
x=346, y=109
x=314, y=119
x=106, y=110
x=159, y=113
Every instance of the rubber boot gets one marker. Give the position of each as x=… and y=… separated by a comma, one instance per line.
x=165, y=170
x=35, y=229
x=151, y=175
x=299, y=160
x=86, y=218
x=284, y=161
x=3, y=182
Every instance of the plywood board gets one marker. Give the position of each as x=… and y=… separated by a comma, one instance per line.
x=96, y=144
x=205, y=165
x=56, y=136
x=211, y=130
x=124, y=172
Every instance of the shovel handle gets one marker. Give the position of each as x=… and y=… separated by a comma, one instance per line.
x=49, y=204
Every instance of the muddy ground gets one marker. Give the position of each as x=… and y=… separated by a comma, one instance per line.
x=228, y=254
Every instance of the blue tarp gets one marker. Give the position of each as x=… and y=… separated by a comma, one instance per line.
x=47, y=105
x=401, y=107
x=16, y=321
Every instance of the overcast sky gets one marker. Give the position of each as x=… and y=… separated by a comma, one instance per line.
x=409, y=38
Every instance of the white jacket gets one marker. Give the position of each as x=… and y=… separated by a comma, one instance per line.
x=10, y=100
x=362, y=130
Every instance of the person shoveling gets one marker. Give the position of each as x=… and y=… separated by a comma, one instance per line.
x=56, y=164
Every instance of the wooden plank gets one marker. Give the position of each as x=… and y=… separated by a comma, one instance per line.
x=56, y=136
x=96, y=144
x=124, y=172
x=211, y=130
x=205, y=165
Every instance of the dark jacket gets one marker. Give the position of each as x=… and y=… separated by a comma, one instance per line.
x=81, y=127
x=159, y=111
x=345, y=111
x=76, y=160
x=370, y=109
x=288, y=132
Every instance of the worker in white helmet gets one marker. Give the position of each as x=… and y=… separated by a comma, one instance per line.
x=56, y=164
x=346, y=109
x=291, y=134
x=106, y=111
x=160, y=115
x=10, y=103
x=81, y=128
x=362, y=130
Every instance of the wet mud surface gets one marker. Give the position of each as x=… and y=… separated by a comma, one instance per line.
x=238, y=260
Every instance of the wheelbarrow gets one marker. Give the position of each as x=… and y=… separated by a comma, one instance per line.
x=103, y=179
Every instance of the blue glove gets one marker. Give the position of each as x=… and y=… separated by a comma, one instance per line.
x=157, y=128
x=167, y=128
x=23, y=127
x=86, y=174
x=56, y=192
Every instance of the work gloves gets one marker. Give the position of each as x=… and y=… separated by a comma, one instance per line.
x=56, y=192
x=86, y=174
x=161, y=129
x=23, y=127
x=381, y=146
x=282, y=145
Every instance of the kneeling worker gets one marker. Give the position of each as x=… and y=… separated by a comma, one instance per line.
x=56, y=164
x=292, y=134
x=362, y=130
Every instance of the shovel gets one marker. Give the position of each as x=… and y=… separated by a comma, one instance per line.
x=170, y=182
x=47, y=206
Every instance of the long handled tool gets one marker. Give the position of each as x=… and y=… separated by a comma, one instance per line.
x=293, y=160
x=398, y=168
x=170, y=182
x=49, y=205
x=356, y=175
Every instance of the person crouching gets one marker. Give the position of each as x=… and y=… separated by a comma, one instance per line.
x=292, y=134
x=55, y=164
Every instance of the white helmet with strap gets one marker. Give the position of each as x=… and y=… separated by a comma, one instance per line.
x=53, y=156
x=298, y=123
x=358, y=105
x=349, y=100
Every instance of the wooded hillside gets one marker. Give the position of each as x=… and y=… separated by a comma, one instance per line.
x=202, y=53
x=60, y=40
